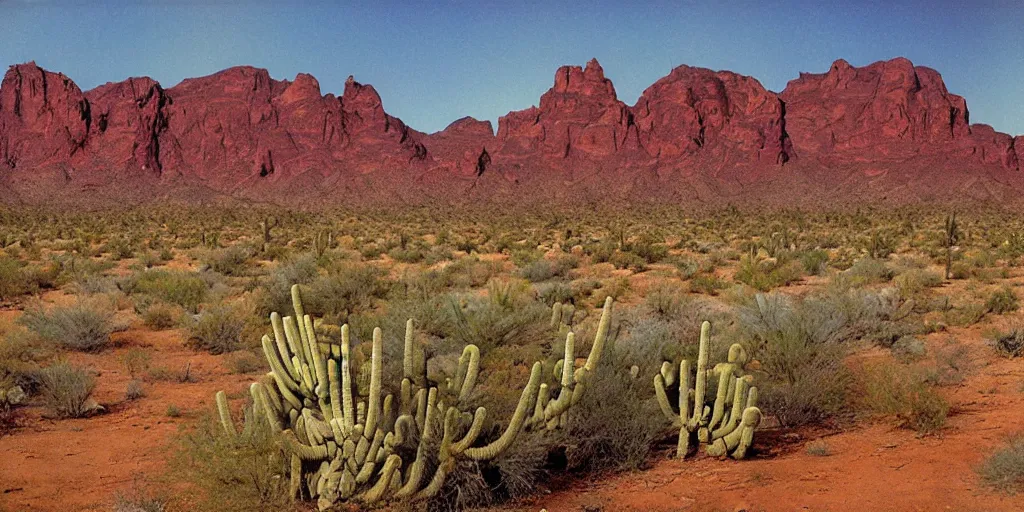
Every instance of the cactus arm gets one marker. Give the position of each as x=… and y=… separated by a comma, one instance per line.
x=291, y=331
x=377, y=492
x=472, y=355
x=348, y=417
x=460, y=446
x=408, y=356
x=282, y=344
x=304, y=451
x=377, y=360
x=225, y=415
x=299, y=310
x=724, y=378
x=738, y=401
x=702, y=366
x=685, y=387
x=752, y=418
x=277, y=366
x=543, y=396
x=663, y=403
x=295, y=481
x=602, y=335
x=319, y=364
x=496, y=448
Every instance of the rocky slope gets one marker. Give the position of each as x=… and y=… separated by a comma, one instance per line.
x=888, y=131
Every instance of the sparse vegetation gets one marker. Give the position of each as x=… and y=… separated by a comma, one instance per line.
x=84, y=326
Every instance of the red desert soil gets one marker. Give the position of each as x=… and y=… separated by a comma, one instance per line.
x=79, y=465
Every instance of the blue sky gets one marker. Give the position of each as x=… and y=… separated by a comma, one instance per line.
x=434, y=62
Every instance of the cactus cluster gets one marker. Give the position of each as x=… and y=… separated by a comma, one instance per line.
x=343, y=448
x=726, y=424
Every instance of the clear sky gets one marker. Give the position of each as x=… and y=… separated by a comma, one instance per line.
x=434, y=62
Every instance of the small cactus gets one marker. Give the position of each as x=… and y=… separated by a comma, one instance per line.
x=725, y=425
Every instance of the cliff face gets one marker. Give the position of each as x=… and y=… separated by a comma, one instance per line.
x=887, y=110
x=693, y=132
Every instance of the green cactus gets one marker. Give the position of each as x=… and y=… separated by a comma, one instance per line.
x=726, y=425
x=348, y=446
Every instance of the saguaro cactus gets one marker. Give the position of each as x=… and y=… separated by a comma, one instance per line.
x=343, y=447
x=725, y=424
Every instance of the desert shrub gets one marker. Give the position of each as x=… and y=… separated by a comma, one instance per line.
x=231, y=474
x=230, y=261
x=244, y=362
x=626, y=259
x=707, y=283
x=1009, y=343
x=173, y=411
x=903, y=392
x=544, y=269
x=217, y=330
x=908, y=348
x=409, y=254
x=138, y=501
x=469, y=272
x=814, y=262
x=136, y=360
x=550, y=293
x=186, y=289
x=915, y=281
x=347, y=289
x=1002, y=301
x=150, y=259
x=866, y=271
x=120, y=248
x=763, y=273
x=13, y=281
x=686, y=267
x=160, y=315
x=83, y=326
x=665, y=300
x=1004, y=469
x=953, y=364
x=505, y=317
x=134, y=390
x=66, y=390
x=276, y=294
x=614, y=426
x=801, y=356
x=647, y=247
x=819, y=448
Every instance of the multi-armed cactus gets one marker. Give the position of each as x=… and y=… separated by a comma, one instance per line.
x=726, y=429
x=342, y=448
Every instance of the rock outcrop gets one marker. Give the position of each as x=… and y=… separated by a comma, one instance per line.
x=889, y=126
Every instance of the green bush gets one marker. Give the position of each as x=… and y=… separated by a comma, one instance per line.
x=230, y=261
x=217, y=330
x=892, y=390
x=348, y=289
x=1002, y=301
x=160, y=316
x=814, y=262
x=224, y=474
x=186, y=289
x=83, y=326
x=1004, y=469
x=13, y=281
x=67, y=390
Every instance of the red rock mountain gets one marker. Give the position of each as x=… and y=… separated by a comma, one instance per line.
x=888, y=131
